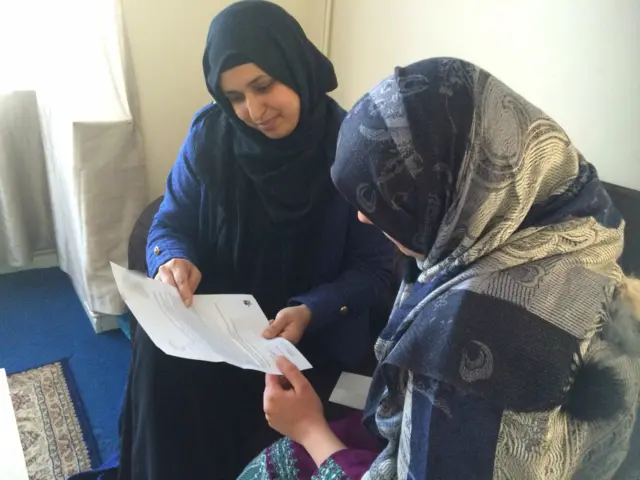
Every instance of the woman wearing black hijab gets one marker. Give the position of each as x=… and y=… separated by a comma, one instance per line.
x=250, y=208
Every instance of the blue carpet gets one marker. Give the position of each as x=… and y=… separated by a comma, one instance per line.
x=42, y=321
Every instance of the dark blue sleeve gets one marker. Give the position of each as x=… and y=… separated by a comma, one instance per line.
x=174, y=230
x=453, y=435
x=367, y=270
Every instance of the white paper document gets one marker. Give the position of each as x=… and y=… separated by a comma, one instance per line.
x=216, y=328
x=12, y=464
x=351, y=390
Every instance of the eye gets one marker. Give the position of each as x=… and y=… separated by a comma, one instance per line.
x=235, y=98
x=264, y=87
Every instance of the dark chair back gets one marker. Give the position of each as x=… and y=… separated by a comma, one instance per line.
x=628, y=202
x=137, y=251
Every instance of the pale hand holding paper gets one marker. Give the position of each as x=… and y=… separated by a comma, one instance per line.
x=216, y=328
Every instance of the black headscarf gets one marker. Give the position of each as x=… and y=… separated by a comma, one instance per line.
x=272, y=192
x=288, y=173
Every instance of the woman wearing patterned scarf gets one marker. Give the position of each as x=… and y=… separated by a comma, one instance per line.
x=511, y=352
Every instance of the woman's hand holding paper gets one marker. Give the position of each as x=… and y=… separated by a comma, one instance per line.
x=290, y=323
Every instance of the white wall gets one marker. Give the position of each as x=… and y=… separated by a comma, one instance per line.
x=167, y=40
x=579, y=60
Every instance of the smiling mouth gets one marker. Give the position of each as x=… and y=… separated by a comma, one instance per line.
x=268, y=125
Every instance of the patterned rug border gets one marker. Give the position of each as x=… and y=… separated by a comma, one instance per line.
x=78, y=406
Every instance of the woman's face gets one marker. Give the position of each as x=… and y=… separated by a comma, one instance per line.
x=402, y=248
x=260, y=101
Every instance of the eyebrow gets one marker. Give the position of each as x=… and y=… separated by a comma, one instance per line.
x=251, y=83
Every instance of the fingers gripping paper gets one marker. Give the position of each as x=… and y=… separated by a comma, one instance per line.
x=216, y=328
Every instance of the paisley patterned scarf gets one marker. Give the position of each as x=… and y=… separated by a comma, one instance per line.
x=519, y=236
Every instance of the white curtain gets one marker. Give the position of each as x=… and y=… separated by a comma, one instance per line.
x=26, y=226
x=89, y=173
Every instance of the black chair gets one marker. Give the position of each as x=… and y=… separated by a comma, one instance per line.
x=137, y=249
x=628, y=203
